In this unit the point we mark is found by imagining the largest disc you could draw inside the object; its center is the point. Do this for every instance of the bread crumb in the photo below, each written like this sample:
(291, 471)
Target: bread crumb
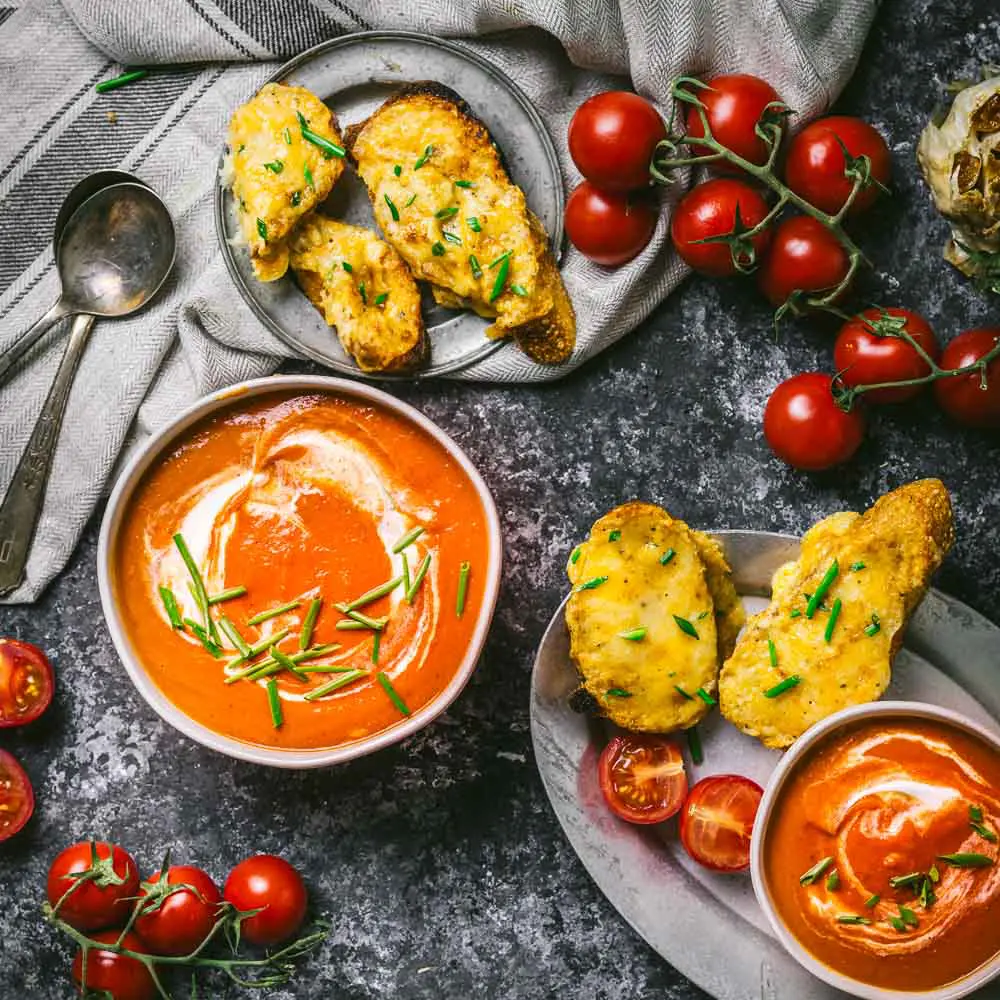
(112, 117)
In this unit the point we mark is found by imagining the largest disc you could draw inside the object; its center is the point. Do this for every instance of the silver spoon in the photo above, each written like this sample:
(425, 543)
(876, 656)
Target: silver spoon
(86, 188)
(114, 255)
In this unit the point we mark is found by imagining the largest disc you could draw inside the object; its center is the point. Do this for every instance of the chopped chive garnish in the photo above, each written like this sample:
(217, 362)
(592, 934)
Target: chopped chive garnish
(977, 824)
(875, 626)
(592, 584)
(170, 605)
(410, 200)
(451, 238)
(574, 558)
(233, 634)
(284, 661)
(274, 700)
(275, 166)
(706, 697)
(975, 814)
(772, 653)
(795, 613)
(694, 745)
(897, 924)
(406, 572)
(376, 643)
(342, 681)
(614, 536)
(262, 229)
(363, 293)
(872, 901)
(933, 874)
(504, 256)
(473, 223)
(308, 174)
(229, 594)
(617, 693)
(831, 623)
(349, 268)
(856, 566)
(255, 651)
(464, 184)
(407, 540)
(684, 693)
(392, 692)
(120, 81)
(908, 917)
(371, 595)
(821, 591)
(197, 587)
(519, 290)
(850, 918)
(477, 271)
(904, 881)
(437, 249)
(264, 668)
(393, 211)
(309, 623)
(446, 213)
(424, 157)
(324, 668)
(833, 881)
(463, 588)
(701, 616)
(425, 565)
(376, 624)
(380, 298)
(288, 136)
(349, 625)
(397, 169)
(635, 634)
(815, 873)
(263, 616)
(966, 859)
(667, 556)
(786, 685)
(926, 894)
(686, 627)
(328, 148)
(203, 637)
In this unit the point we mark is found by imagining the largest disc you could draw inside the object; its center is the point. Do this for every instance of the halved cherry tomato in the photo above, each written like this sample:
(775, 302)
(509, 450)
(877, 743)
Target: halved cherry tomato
(709, 209)
(864, 355)
(642, 777)
(805, 256)
(609, 227)
(26, 682)
(17, 800)
(806, 428)
(100, 902)
(718, 819)
(733, 106)
(815, 164)
(273, 886)
(109, 974)
(183, 918)
(963, 397)
(612, 137)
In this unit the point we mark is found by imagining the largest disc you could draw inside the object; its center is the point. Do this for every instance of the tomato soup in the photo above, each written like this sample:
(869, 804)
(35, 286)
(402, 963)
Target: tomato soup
(287, 511)
(882, 854)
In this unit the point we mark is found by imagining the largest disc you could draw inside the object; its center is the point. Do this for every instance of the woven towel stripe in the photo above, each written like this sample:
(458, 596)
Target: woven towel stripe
(219, 29)
(289, 30)
(5, 12)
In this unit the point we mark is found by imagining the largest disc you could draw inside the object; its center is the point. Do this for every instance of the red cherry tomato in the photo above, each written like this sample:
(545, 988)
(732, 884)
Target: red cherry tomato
(93, 906)
(26, 683)
(642, 777)
(272, 885)
(17, 800)
(806, 428)
(815, 164)
(733, 107)
(805, 256)
(612, 137)
(709, 209)
(109, 974)
(865, 356)
(718, 819)
(607, 227)
(184, 918)
(962, 397)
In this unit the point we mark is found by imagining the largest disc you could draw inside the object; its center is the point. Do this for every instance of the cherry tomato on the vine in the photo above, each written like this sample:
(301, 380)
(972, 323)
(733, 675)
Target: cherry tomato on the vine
(717, 821)
(866, 353)
(109, 974)
(17, 800)
(183, 919)
(815, 167)
(710, 209)
(93, 905)
(612, 137)
(609, 227)
(26, 682)
(805, 257)
(806, 428)
(963, 397)
(733, 106)
(642, 777)
(272, 885)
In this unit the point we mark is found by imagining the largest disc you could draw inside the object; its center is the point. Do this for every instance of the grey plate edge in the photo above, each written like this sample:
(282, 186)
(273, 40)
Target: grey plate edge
(490, 347)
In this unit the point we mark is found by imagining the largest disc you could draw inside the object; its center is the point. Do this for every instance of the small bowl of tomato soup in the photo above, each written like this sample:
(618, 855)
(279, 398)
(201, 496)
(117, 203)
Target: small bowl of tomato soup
(300, 570)
(875, 854)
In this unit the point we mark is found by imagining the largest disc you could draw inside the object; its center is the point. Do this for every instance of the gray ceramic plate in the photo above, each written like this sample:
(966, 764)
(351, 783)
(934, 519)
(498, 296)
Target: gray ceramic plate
(709, 926)
(354, 74)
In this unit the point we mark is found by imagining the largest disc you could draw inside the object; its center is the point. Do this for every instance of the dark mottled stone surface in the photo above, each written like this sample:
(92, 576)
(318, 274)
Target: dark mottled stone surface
(439, 862)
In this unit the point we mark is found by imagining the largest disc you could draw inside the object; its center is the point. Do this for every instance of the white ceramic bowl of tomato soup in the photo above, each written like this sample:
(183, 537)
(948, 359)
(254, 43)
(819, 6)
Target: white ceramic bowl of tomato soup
(298, 489)
(876, 792)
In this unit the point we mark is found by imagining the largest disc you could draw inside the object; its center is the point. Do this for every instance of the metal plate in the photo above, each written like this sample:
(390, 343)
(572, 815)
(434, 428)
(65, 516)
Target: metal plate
(354, 74)
(709, 926)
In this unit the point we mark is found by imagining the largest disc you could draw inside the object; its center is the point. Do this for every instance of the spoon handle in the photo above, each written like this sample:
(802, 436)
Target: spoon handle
(23, 502)
(30, 337)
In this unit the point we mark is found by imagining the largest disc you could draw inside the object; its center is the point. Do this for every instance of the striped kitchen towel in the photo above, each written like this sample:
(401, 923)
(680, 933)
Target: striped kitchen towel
(169, 128)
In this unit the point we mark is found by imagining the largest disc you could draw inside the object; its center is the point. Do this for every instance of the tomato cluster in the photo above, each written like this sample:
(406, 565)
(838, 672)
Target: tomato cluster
(94, 887)
(644, 781)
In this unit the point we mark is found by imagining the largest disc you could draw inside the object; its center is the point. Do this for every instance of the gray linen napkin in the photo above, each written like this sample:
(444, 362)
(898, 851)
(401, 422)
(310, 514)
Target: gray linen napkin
(199, 335)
